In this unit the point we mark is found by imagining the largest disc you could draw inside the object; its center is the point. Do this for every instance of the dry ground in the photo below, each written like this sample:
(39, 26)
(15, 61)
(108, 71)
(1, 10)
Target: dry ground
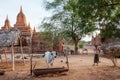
(80, 69)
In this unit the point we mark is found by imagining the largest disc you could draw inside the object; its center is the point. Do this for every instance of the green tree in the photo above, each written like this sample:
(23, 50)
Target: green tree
(70, 20)
(77, 18)
(108, 18)
(47, 36)
(50, 34)
(111, 21)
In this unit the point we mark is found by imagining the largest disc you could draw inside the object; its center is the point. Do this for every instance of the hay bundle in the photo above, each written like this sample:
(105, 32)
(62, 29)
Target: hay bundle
(113, 44)
(112, 50)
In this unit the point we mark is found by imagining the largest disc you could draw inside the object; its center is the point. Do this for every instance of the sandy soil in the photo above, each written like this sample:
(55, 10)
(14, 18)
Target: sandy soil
(81, 68)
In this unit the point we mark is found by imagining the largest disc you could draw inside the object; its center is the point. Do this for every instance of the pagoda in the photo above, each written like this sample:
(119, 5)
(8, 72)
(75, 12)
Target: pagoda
(7, 25)
(30, 38)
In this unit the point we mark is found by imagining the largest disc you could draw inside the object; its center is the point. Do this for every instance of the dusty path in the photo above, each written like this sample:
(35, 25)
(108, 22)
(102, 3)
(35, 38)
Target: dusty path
(80, 69)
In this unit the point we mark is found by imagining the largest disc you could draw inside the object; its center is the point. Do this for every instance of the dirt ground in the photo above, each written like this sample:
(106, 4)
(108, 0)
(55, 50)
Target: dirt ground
(81, 68)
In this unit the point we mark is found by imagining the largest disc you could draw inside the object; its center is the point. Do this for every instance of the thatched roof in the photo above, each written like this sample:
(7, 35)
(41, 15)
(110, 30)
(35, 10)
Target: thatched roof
(7, 37)
(115, 43)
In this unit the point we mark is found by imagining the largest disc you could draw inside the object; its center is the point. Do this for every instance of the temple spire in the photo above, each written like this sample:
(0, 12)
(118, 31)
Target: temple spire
(7, 17)
(7, 25)
(7, 22)
(34, 29)
(20, 8)
(21, 19)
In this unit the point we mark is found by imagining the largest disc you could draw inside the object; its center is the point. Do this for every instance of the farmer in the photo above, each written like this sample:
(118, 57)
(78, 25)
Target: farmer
(96, 56)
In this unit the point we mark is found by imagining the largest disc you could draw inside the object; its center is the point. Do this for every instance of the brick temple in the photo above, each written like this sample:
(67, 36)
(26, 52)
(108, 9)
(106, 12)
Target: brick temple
(37, 44)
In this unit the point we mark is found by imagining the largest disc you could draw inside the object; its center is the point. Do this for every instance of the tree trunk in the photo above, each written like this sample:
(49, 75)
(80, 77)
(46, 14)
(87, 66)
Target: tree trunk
(76, 47)
(114, 62)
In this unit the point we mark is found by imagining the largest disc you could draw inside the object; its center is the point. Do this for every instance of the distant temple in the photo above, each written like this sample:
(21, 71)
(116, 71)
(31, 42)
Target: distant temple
(96, 40)
(37, 44)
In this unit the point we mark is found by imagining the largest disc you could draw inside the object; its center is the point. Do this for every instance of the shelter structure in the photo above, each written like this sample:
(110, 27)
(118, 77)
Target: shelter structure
(9, 38)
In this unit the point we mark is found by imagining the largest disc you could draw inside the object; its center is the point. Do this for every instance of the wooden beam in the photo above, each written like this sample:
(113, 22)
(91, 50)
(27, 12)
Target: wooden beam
(13, 60)
(46, 71)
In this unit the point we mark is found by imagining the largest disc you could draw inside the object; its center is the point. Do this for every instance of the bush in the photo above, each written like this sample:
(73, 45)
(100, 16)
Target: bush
(80, 44)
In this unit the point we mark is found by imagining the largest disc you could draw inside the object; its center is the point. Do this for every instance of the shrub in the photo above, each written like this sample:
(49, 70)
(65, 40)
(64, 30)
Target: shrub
(80, 44)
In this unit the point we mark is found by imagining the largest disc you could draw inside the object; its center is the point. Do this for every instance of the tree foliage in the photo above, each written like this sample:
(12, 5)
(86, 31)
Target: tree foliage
(77, 18)
(69, 21)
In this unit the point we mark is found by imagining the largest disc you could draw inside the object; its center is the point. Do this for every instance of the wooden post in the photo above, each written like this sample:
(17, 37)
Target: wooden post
(5, 56)
(1, 54)
(31, 64)
(30, 50)
(67, 62)
(1, 58)
(22, 50)
(13, 60)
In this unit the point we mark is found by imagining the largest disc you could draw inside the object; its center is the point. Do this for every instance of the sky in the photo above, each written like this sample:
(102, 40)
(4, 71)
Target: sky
(33, 9)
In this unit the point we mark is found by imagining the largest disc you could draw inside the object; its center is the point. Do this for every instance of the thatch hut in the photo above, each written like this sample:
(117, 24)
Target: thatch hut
(114, 43)
(9, 38)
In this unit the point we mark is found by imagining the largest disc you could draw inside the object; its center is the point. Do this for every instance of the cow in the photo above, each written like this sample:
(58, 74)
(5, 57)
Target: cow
(49, 57)
(85, 51)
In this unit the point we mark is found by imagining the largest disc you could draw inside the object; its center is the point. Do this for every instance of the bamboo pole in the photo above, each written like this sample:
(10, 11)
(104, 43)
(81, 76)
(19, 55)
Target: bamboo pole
(6, 57)
(1, 55)
(1, 58)
(30, 50)
(31, 64)
(13, 60)
(22, 50)
(67, 62)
